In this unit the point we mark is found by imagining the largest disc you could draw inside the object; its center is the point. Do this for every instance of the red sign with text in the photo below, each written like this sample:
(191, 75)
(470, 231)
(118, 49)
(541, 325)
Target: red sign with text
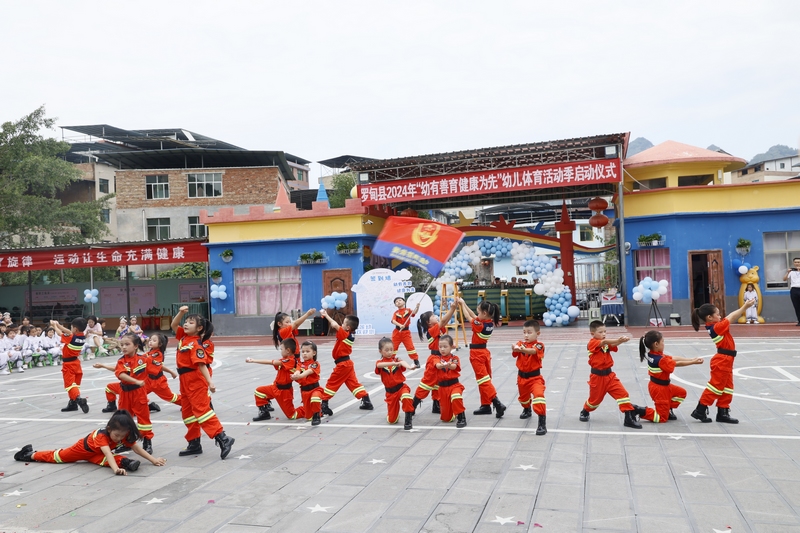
(493, 181)
(103, 256)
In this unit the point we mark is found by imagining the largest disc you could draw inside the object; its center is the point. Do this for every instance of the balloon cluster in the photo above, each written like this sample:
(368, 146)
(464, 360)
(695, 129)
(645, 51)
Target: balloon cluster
(740, 266)
(335, 300)
(524, 257)
(649, 289)
(90, 295)
(460, 265)
(498, 246)
(560, 312)
(219, 291)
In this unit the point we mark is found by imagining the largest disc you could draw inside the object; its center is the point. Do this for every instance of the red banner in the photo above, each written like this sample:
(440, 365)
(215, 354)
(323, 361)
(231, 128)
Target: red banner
(97, 255)
(493, 181)
(419, 242)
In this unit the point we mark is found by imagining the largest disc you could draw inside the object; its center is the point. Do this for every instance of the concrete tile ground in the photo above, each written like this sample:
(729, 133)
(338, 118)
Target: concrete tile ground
(355, 473)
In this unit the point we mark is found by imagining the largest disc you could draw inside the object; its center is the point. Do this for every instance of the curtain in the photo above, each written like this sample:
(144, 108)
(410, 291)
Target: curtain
(270, 300)
(246, 299)
(657, 257)
(244, 275)
(290, 274)
(291, 296)
(268, 275)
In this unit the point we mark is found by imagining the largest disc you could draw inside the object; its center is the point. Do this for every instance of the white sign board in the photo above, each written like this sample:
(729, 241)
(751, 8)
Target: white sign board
(376, 291)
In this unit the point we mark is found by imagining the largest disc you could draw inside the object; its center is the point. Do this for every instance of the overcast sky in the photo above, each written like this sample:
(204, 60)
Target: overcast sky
(390, 79)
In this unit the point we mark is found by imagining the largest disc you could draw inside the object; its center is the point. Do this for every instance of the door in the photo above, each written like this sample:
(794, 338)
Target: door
(707, 279)
(716, 281)
(339, 280)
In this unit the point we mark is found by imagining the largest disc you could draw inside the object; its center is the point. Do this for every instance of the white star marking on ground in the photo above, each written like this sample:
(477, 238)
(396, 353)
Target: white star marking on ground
(14, 450)
(764, 393)
(16, 493)
(154, 500)
(245, 457)
(500, 520)
(723, 530)
(693, 474)
(527, 467)
(378, 461)
(554, 391)
(675, 437)
(318, 509)
(559, 378)
(792, 414)
(413, 430)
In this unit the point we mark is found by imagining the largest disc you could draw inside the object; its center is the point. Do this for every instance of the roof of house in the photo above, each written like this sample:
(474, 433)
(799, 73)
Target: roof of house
(670, 152)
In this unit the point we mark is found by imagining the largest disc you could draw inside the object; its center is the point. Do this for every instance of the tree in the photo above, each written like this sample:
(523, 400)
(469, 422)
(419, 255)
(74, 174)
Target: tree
(342, 185)
(184, 271)
(31, 176)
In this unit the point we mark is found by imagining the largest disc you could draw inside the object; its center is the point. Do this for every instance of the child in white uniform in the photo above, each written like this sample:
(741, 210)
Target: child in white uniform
(751, 315)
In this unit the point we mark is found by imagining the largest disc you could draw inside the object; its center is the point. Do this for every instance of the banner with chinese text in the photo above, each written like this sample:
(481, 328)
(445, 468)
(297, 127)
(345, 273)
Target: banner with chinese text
(493, 181)
(150, 253)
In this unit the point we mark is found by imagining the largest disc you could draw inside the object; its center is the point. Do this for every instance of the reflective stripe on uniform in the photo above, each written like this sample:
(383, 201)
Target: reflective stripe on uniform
(144, 427)
(713, 389)
(71, 387)
(540, 400)
(358, 389)
(455, 396)
(623, 400)
(485, 379)
(677, 399)
(727, 391)
(206, 417)
(260, 395)
(425, 386)
(405, 396)
(329, 392)
(656, 418)
(190, 420)
(174, 398)
(56, 456)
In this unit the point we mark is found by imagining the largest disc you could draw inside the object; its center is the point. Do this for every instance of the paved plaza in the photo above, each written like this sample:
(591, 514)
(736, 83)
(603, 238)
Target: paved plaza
(356, 473)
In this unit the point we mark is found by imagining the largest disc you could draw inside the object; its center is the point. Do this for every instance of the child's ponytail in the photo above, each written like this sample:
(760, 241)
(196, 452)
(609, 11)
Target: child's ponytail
(700, 315)
(277, 326)
(641, 348)
(493, 310)
(423, 324)
(647, 341)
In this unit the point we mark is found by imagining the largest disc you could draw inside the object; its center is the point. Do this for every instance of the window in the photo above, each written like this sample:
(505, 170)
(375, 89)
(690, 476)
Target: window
(207, 185)
(103, 186)
(196, 229)
(646, 185)
(780, 248)
(265, 291)
(157, 229)
(689, 181)
(654, 263)
(586, 233)
(157, 187)
(783, 165)
(105, 216)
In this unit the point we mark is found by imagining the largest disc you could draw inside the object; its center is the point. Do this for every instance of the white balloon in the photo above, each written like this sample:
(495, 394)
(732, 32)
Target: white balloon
(663, 283)
(539, 289)
(742, 269)
(638, 296)
(662, 290)
(654, 295)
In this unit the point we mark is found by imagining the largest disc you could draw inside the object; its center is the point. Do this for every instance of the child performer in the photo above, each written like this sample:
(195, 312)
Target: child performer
(96, 448)
(433, 328)
(480, 358)
(195, 382)
(307, 376)
(450, 390)
(390, 369)
(285, 328)
(529, 355)
(665, 395)
(604, 381)
(720, 384)
(71, 370)
(156, 381)
(131, 370)
(281, 389)
(401, 319)
(752, 312)
(344, 370)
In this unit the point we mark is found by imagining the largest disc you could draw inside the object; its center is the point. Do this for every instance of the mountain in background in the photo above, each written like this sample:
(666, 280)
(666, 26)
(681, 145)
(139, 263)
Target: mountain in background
(639, 144)
(775, 152)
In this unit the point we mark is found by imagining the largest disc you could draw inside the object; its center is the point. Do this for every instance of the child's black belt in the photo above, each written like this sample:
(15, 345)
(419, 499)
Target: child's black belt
(128, 387)
(436, 352)
(723, 351)
(477, 346)
(310, 386)
(392, 390)
(342, 359)
(604, 372)
(185, 369)
(533, 374)
(659, 381)
(448, 382)
(284, 386)
(68, 359)
(156, 376)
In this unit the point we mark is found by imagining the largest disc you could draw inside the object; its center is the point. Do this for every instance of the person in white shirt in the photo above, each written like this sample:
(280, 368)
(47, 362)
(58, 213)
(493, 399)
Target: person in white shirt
(5, 346)
(793, 276)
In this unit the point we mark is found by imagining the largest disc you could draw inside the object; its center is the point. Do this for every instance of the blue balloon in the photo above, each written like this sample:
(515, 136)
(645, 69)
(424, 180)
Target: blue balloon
(94, 299)
(87, 298)
(87, 292)
(736, 263)
(547, 301)
(95, 292)
(340, 304)
(548, 323)
(647, 298)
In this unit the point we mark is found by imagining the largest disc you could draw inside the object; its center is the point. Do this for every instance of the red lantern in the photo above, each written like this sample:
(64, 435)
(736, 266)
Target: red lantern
(598, 221)
(408, 213)
(598, 204)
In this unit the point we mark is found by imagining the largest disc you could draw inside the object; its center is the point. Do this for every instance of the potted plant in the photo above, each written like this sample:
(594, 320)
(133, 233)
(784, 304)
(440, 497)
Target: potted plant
(342, 247)
(353, 245)
(227, 255)
(317, 257)
(215, 275)
(305, 258)
(743, 246)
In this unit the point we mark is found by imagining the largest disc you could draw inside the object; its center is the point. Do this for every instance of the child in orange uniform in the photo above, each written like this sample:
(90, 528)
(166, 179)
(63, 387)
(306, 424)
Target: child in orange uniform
(281, 389)
(344, 370)
(665, 395)
(529, 355)
(73, 340)
(720, 384)
(401, 335)
(390, 369)
(96, 448)
(604, 381)
(433, 328)
(307, 376)
(195, 379)
(480, 358)
(285, 328)
(451, 401)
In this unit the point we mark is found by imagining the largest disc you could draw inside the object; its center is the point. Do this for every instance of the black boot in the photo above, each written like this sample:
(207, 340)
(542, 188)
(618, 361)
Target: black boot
(724, 415)
(83, 404)
(584, 416)
(225, 444)
(121, 448)
(71, 406)
(672, 415)
(417, 402)
(499, 408)
(461, 420)
(416, 363)
(147, 445)
(701, 413)
(130, 465)
(192, 448)
(25, 454)
(526, 413)
(269, 406)
(483, 410)
(263, 414)
(542, 429)
(326, 410)
(366, 404)
(435, 409)
(408, 425)
(111, 407)
(315, 420)
(153, 406)
(631, 420)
